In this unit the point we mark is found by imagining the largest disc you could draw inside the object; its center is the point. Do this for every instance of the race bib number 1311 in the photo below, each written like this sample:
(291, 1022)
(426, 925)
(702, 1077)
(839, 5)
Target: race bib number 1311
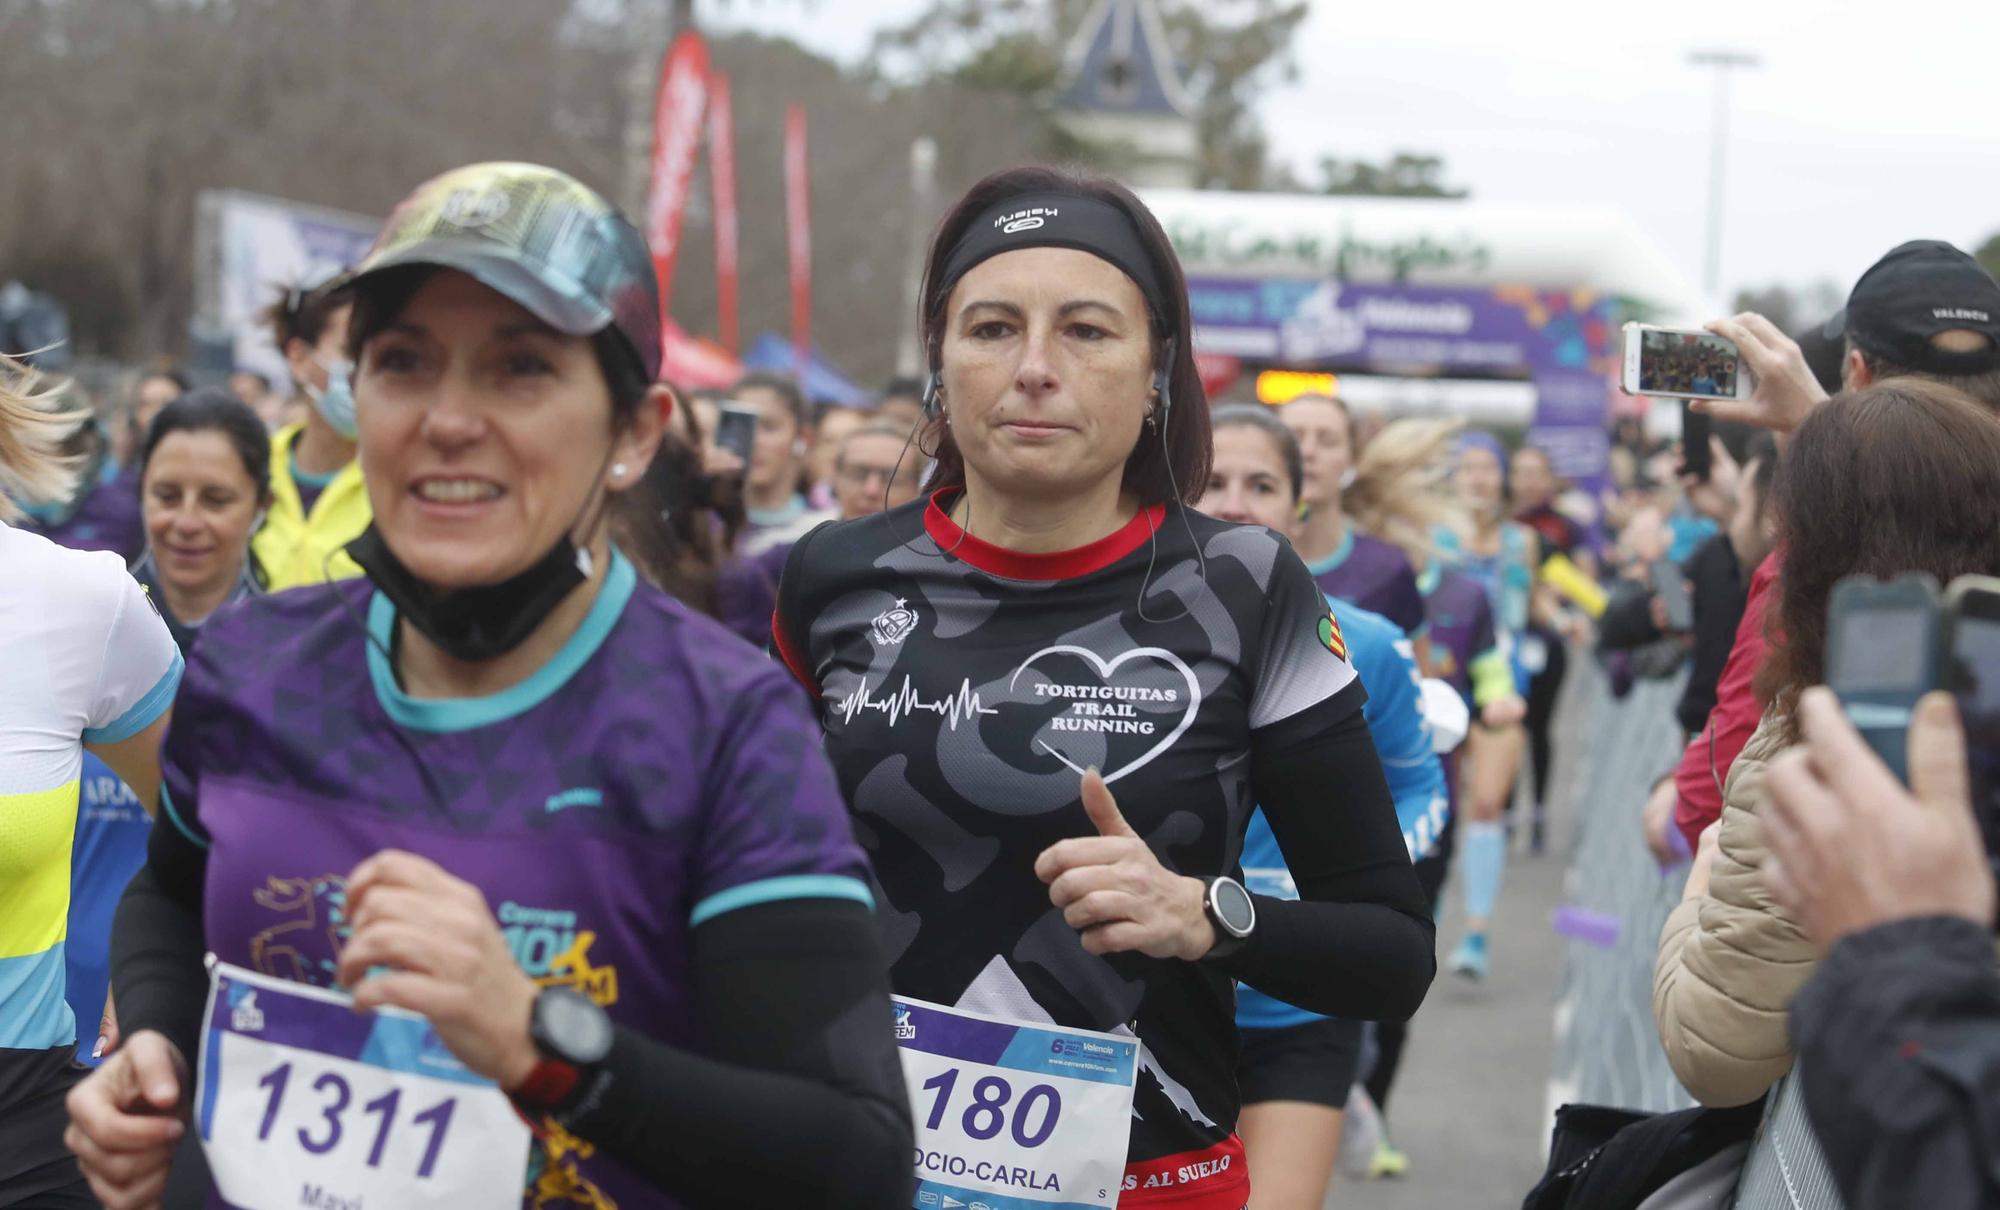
(1014, 1115)
(304, 1102)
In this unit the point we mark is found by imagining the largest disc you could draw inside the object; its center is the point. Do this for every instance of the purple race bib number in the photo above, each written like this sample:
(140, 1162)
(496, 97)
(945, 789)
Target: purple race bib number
(1013, 1115)
(301, 1101)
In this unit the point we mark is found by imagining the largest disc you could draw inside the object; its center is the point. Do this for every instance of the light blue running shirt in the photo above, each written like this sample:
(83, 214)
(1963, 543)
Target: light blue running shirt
(1388, 670)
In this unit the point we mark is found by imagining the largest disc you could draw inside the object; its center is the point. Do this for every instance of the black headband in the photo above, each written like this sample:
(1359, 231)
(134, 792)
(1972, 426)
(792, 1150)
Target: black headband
(1057, 220)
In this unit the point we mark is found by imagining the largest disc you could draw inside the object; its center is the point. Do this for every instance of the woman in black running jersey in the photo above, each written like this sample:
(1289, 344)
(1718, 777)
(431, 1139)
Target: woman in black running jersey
(1053, 694)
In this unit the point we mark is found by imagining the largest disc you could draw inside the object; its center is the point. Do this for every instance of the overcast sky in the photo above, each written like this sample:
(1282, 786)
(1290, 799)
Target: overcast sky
(1868, 123)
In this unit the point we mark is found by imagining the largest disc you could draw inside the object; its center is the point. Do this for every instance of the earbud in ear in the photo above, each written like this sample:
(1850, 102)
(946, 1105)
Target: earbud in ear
(1163, 380)
(932, 389)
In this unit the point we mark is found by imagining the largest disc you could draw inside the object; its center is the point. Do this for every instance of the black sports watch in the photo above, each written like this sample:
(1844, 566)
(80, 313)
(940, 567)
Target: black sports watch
(573, 1035)
(1233, 913)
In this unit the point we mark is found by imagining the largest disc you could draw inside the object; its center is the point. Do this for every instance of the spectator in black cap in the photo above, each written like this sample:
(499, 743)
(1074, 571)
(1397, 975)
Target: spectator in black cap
(1925, 309)
(1928, 310)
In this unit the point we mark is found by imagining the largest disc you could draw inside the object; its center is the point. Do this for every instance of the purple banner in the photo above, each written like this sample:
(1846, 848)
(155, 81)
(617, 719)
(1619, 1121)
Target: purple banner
(1389, 328)
(1578, 452)
(1563, 342)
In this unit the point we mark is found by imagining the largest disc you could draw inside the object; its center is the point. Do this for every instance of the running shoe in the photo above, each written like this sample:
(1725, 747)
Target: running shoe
(1388, 1163)
(1361, 1135)
(1469, 959)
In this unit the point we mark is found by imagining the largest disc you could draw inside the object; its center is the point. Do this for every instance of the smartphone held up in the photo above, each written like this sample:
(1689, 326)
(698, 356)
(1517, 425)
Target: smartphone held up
(1891, 642)
(1684, 363)
(1882, 655)
(736, 431)
(1971, 671)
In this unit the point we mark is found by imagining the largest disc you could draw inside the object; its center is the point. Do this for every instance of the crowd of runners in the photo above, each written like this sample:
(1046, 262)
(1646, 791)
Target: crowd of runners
(490, 786)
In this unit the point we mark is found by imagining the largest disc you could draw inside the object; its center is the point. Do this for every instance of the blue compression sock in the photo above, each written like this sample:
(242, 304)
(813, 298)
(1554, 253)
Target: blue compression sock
(1482, 858)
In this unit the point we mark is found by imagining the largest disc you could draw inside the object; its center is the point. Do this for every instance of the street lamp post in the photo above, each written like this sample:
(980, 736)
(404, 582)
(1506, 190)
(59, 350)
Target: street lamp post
(1723, 61)
(910, 359)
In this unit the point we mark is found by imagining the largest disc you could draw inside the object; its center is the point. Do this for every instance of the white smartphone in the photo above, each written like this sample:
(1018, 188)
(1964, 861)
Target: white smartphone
(1684, 363)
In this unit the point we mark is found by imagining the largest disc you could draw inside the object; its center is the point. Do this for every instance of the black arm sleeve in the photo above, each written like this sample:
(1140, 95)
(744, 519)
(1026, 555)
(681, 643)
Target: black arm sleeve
(1898, 1042)
(1359, 941)
(157, 977)
(801, 1101)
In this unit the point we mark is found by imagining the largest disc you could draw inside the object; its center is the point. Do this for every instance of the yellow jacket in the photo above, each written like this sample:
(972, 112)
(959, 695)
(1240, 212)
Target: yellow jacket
(293, 548)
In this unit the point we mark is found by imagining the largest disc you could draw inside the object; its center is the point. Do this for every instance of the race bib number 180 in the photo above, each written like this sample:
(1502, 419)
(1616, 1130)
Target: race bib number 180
(1014, 1116)
(302, 1101)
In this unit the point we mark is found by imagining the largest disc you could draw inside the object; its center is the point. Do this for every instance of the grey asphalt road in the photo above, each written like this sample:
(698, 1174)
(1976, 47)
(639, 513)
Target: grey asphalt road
(1487, 1062)
(1469, 1104)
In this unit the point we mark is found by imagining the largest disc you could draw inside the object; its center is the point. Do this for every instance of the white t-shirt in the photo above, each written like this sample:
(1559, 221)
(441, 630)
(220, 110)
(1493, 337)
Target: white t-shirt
(84, 659)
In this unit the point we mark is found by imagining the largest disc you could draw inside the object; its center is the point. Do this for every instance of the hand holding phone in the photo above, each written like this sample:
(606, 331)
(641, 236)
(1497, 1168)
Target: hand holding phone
(736, 430)
(1697, 459)
(1714, 496)
(1684, 362)
(1972, 674)
(1670, 587)
(1783, 390)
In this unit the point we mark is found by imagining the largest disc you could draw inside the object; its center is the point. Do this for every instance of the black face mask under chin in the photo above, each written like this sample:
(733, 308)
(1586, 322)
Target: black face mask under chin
(480, 623)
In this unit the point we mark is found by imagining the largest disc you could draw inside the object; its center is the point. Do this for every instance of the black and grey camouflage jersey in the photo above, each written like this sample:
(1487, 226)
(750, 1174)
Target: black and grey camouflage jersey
(965, 688)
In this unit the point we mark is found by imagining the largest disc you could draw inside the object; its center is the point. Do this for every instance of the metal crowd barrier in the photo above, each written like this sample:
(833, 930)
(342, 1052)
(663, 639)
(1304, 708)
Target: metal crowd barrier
(1615, 898)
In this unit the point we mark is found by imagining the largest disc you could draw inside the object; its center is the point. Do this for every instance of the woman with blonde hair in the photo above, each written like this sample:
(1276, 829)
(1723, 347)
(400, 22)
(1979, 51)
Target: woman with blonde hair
(89, 665)
(1401, 492)
(33, 468)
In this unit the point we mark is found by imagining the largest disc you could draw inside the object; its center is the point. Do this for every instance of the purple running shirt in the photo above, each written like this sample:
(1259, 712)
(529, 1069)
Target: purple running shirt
(654, 774)
(1461, 626)
(1376, 576)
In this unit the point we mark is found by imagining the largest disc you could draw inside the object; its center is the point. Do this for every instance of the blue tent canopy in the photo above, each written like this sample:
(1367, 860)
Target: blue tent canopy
(773, 354)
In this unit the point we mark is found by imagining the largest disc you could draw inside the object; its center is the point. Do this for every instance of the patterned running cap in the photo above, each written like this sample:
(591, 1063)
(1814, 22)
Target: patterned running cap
(538, 236)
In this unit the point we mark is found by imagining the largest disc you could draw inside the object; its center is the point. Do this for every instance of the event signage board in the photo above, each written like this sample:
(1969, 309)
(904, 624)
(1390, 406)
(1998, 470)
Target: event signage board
(1310, 322)
(1562, 341)
(250, 249)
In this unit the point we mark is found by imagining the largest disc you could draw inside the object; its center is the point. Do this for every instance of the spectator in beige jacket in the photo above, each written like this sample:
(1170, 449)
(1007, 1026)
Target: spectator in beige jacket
(1899, 477)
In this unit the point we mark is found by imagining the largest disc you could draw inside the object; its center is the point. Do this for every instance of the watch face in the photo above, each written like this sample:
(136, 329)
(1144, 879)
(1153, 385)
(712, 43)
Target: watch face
(575, 1027)
(1232, 904)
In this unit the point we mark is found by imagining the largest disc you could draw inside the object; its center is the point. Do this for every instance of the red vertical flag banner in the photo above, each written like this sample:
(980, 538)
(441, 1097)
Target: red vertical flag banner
(798, 214)
(722, 177)
(676, 140)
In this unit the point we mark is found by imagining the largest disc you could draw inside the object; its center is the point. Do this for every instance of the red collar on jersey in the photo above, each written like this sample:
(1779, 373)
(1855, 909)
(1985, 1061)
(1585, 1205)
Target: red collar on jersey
(1051, 565)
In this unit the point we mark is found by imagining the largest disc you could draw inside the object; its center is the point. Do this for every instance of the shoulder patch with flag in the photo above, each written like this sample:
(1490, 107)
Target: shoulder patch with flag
(1329, 634)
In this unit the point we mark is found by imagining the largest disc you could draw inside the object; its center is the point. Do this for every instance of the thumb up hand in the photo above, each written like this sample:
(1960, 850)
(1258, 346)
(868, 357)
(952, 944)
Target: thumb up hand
(1102, 808)
(1114, 891)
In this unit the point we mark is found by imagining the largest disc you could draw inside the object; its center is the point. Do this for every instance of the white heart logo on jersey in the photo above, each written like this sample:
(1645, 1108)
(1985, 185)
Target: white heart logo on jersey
(1189, 704)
